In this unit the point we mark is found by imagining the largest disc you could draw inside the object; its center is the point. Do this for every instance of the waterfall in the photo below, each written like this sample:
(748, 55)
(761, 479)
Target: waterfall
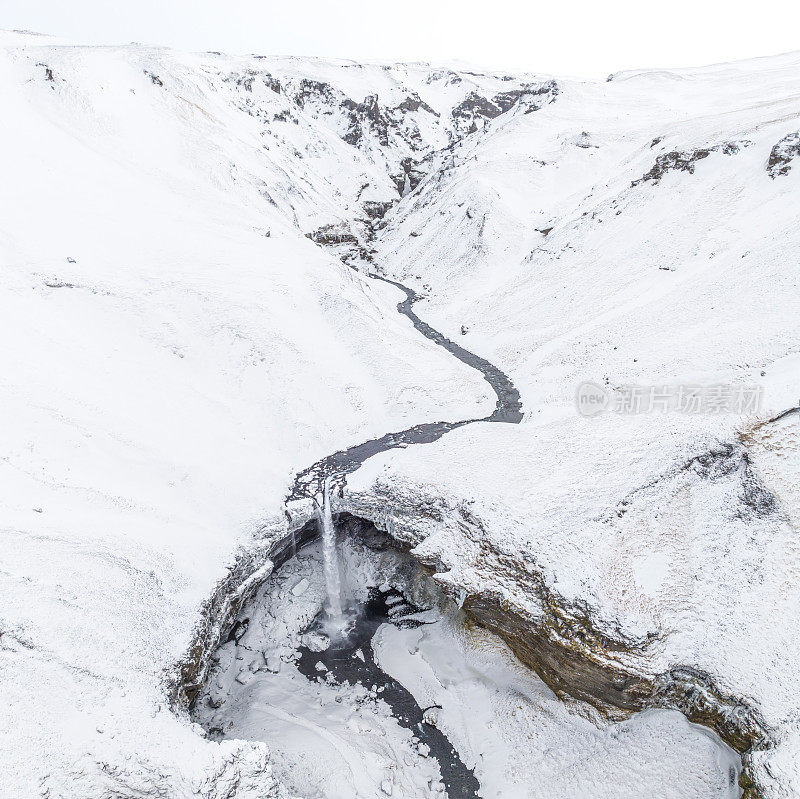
(330, 554)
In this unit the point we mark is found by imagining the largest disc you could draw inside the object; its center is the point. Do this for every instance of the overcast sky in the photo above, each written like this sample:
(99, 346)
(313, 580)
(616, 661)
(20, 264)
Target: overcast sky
(568, 38)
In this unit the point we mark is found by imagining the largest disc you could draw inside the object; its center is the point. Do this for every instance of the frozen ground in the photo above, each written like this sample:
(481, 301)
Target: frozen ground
(167, 369)
(545, 247)
(182, 338)
(338, 739)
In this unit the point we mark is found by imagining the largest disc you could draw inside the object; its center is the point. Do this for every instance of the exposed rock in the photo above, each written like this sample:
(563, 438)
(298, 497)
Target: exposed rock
(48, 72)
(413, 172)
(726, 461)
(526, 96)
(685, 161)
(584, 141)
(367, 114)
(575, 661)
(376, 209)
(734, 460)
(314, 89)
(248, 78)
(782, 154)
(474, 105)
(446, 75)
(562, 644)
(333, 234)
(693, 693)
(472, 113)
(414, 103)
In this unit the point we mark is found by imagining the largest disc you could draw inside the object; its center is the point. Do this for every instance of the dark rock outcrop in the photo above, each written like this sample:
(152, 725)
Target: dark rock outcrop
(48, 72)
(367, 115)
(447, 75)
(332, 234)
(247, 79)
(414, 103)
(308, 89)
(376, 209)
(685, 161)
(782, 154)
(412, 174)
(474, 105)
(472, 113)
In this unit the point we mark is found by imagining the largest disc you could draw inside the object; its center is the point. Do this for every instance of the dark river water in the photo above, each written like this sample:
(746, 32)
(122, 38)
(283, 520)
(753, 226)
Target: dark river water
(508, 408)
(341, 661)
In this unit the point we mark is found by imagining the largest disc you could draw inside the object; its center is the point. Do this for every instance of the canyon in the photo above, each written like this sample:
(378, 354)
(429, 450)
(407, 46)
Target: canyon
(230, 279)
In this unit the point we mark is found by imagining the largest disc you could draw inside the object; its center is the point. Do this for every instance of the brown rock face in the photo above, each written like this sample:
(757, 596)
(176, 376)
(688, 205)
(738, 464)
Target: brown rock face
(561, 645)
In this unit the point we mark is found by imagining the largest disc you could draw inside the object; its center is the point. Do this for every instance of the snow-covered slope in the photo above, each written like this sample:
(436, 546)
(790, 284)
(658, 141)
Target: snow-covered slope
(640, 232)
(175, 350)
(181, 338)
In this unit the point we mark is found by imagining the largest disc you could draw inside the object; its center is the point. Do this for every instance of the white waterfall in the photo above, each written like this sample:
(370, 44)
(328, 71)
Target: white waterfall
(333, 584)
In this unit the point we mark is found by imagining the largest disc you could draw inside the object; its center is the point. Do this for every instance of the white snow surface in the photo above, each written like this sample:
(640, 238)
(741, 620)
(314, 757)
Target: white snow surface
(332, 739)
(523, 742)
(327, 739)
(167, 368)
(176, 348)
(690, 280)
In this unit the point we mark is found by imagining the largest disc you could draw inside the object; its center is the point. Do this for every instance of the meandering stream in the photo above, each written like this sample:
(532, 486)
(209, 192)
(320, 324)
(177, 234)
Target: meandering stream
(352, 716)
(338, 659)
(508, 409)
(351, 660)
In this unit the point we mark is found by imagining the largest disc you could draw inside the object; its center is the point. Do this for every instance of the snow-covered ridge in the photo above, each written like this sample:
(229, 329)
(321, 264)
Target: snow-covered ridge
(181, 348)
(639, 232)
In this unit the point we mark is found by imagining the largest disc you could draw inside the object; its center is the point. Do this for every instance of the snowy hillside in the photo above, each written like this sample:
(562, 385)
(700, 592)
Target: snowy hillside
(186, 243)
(641, 232)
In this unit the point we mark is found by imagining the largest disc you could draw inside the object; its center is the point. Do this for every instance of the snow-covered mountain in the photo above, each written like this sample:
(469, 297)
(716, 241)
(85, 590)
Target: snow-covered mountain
(185, 242)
